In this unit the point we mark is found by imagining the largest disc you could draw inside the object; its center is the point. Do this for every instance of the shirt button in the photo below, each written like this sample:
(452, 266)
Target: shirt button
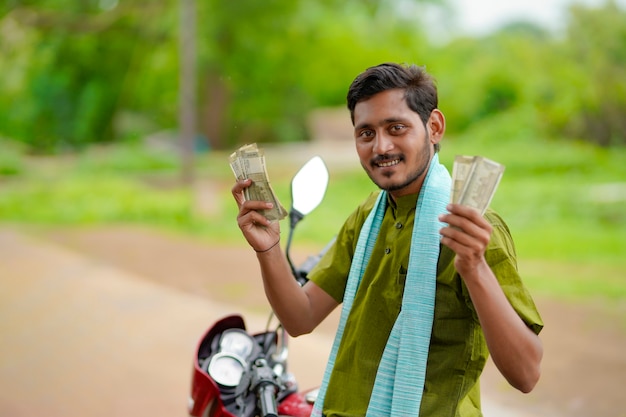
(387, 251)
(398, 225)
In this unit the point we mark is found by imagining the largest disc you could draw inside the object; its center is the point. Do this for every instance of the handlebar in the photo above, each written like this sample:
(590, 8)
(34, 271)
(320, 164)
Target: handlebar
(265, 385)
(267, 400)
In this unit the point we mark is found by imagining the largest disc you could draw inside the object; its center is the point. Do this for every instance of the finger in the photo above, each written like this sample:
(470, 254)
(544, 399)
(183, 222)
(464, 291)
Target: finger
(255, 205)
(466, 218)
(460, 226)
(457, 240)
(455, 246)
(249, 213)
(465, 211)
(463, 235)
(238, 188)
(259, 232)
(252, 220)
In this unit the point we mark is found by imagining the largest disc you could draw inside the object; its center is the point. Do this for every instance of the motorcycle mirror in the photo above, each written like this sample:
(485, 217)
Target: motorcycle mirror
(309, 186)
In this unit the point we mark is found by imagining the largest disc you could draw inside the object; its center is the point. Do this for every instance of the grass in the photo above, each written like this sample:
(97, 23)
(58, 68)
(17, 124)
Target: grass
(565, 202)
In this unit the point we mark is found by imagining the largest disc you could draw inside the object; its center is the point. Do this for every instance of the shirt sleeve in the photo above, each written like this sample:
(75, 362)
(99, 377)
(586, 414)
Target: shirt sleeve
(502, 259)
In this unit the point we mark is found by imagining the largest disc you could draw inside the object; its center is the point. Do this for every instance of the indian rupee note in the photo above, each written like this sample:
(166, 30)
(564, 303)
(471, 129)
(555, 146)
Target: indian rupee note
(236, 166)
(481, 184)
(460, 171)
(249, 162)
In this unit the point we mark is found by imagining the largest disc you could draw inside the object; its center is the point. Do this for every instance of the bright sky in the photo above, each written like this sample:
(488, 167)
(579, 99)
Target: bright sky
(481, 16)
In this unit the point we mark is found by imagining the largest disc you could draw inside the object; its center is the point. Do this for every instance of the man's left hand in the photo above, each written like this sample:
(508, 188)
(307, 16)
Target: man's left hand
(467, 234)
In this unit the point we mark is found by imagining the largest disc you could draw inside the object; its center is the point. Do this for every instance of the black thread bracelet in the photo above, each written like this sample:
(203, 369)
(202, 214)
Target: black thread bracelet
(268, 249)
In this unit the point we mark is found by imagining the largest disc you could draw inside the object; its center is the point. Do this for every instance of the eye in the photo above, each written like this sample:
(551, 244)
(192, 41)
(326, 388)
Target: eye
(365, 134)
(397, 128)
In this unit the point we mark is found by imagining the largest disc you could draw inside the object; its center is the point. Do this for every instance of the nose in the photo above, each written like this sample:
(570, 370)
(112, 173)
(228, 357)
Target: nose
(383, 144)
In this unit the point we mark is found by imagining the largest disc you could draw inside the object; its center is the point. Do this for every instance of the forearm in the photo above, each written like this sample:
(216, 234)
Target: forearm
(299, 309)
(287, 298)
(515, 349)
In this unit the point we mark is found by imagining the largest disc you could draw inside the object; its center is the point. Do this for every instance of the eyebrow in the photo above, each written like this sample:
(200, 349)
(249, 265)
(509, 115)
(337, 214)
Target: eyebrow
(382, 123)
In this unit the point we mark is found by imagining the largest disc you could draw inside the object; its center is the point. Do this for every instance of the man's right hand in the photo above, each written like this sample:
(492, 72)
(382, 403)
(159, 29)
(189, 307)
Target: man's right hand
(260, 233)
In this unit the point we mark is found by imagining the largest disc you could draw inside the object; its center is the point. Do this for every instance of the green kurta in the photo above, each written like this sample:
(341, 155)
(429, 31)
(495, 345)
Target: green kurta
(458, 350)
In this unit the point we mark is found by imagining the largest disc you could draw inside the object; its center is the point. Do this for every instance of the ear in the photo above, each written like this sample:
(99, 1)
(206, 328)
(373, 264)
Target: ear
(436, 126)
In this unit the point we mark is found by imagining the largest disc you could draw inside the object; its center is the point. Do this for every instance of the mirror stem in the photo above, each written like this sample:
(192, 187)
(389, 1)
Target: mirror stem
(294, 218)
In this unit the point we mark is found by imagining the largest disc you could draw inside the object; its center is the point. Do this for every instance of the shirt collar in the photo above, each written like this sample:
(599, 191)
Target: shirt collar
(402, 206)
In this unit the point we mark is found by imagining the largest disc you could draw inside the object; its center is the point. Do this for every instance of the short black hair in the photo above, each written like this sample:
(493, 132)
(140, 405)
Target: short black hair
(419, 86)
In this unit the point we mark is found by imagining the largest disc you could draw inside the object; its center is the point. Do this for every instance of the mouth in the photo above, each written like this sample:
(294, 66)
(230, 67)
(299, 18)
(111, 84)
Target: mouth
(386, 162)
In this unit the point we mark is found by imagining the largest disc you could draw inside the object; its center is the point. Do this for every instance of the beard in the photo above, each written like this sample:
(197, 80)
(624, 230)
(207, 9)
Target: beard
(423, 159)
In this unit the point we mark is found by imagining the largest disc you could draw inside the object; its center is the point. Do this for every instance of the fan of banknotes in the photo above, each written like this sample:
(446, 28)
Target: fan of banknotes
(249, 162)
(474, 181)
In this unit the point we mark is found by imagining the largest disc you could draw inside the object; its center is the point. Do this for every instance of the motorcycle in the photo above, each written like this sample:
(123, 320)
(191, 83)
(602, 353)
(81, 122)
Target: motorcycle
(239, 374)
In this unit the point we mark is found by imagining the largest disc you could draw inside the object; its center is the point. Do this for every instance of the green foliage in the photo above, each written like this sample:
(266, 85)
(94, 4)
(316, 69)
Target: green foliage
(95, 200)
(586, 99)
(71, 74)
(576, 82)
(130, 158)
(564, 202)
(10, 159)
(103, 71)
(575, 279)
(274, 61)
(79, 71)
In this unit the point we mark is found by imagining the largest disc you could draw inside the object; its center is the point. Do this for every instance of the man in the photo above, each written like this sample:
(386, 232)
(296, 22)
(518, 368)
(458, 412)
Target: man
(420, 346)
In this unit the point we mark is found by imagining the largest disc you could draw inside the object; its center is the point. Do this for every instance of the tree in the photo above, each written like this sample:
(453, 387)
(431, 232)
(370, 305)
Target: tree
(587, 99)
(75, 69)
(269, 63)
(101, 70)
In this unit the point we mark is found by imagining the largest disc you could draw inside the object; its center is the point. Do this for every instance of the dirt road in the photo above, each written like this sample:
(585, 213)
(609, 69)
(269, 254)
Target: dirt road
(103, 322)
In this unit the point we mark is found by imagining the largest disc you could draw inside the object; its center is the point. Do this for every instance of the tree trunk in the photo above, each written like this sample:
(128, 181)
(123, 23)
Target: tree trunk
(187, 110)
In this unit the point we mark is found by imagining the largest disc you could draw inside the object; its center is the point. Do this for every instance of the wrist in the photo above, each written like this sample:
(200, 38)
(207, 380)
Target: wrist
(268, 249)
(479, 277)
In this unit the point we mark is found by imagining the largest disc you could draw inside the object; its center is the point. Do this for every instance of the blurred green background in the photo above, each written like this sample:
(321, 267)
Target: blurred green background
(90, 116)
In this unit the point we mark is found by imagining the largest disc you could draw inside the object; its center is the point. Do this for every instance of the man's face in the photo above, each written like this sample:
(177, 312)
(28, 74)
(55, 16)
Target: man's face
(393, 144)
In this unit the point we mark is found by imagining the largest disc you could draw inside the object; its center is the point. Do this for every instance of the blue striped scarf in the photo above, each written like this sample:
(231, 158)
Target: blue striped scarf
(401, 373)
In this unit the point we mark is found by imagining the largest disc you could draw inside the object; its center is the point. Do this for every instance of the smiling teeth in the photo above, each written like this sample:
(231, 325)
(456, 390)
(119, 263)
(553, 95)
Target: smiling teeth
(388, 164)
